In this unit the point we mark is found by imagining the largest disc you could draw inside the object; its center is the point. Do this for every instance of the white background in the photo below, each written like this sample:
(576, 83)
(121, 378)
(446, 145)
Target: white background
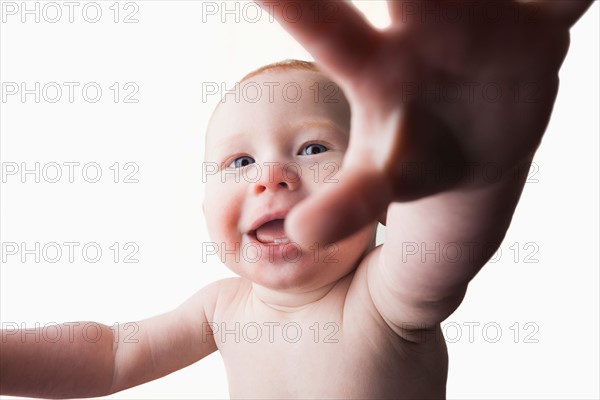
(168, 54)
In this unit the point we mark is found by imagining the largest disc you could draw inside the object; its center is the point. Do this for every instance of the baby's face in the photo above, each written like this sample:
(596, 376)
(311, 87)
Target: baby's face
(265, 155)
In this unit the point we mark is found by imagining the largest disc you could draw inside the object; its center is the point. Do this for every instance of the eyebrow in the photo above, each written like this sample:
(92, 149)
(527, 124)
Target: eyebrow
(302, 125)
(235, 137)
(318, 123)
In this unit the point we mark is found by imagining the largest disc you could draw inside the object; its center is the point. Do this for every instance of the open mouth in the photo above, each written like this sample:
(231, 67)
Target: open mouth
(271, 233)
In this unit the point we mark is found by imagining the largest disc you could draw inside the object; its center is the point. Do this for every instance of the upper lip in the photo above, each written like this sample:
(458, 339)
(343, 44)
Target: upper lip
(266, 217)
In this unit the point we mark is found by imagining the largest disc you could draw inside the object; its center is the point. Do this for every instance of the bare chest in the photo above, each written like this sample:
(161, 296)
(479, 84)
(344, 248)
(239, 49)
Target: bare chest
(320, 357)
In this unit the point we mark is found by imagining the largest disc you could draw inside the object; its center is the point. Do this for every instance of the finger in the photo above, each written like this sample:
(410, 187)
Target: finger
(356, 200)
(383, 217)
(403, 11)
(564, 12)
(397, 9)
(334, 32)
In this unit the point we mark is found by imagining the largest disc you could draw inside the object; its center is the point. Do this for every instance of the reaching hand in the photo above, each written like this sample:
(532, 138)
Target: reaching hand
(449, 86)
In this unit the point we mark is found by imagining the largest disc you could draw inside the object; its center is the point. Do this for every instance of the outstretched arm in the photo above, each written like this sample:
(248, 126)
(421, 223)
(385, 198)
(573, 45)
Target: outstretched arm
(447, 94)
(91, 360)
(435, 246)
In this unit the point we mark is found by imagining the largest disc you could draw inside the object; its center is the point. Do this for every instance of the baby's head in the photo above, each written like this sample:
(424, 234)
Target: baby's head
(280, 139)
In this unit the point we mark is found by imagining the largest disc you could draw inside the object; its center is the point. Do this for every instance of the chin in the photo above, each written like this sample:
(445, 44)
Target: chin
(286, 267)
(300, 273)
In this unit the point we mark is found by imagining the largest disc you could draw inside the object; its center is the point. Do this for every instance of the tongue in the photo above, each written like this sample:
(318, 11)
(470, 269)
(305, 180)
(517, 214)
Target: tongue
(271, 231)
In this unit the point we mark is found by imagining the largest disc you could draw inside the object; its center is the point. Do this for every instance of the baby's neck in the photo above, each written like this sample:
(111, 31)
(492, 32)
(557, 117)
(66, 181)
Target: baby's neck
(290, 301)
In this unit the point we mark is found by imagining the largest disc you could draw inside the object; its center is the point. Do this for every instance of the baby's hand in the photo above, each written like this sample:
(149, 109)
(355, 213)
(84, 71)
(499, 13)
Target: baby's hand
(450, 86)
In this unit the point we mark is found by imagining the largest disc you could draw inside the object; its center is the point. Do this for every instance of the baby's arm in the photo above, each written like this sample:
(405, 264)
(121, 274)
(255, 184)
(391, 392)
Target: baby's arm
(94, 363)
(435, 246)
(408, 126)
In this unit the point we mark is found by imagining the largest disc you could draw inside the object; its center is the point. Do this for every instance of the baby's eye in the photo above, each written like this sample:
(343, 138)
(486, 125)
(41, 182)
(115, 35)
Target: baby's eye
(313, 149)
(241, 162)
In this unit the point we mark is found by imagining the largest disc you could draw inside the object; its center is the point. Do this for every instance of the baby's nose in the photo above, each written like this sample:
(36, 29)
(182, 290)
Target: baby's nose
(277, 176)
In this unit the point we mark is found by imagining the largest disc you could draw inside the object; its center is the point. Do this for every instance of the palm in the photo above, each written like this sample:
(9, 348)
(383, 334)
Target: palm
(445, 94)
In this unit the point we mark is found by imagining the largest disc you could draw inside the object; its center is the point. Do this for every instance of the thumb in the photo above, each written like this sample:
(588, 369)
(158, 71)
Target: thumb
(356, 200)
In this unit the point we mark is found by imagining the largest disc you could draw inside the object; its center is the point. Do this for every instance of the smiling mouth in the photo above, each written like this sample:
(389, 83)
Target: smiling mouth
(271, 233)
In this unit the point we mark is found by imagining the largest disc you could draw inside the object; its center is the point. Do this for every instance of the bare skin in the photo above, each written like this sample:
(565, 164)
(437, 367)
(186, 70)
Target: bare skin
(383, 311)
(337, 347)
(307, 326)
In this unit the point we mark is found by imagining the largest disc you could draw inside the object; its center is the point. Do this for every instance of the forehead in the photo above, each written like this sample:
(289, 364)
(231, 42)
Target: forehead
(275, 99)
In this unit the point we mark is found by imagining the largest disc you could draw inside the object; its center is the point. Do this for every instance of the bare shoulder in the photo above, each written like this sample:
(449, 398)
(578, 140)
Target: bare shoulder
(170, 341)
(216, 296)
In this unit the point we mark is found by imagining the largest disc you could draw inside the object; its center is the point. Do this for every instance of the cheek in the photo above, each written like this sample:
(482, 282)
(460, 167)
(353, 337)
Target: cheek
(323, 172)
(223, 206)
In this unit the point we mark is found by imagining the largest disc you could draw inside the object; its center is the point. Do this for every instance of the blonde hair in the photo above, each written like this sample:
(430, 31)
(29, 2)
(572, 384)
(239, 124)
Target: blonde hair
(283, 65)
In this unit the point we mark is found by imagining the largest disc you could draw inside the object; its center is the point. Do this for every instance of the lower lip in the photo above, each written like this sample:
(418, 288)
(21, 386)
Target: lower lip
(272, 252)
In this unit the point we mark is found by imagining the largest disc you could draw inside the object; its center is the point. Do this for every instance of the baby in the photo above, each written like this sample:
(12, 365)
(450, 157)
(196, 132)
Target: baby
(314, 319)
(314, 322)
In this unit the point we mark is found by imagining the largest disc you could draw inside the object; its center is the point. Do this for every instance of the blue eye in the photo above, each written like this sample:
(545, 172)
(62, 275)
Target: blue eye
(241, 162)
(313, 149)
